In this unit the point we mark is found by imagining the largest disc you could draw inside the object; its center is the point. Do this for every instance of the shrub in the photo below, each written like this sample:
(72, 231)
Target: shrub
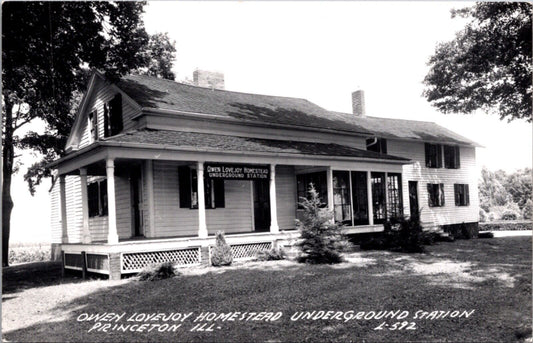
(509, 215)
(221, 253)
(158, 272)
(483, 216)
(400, 234)
(321, 239)
(527, 211)
(274, 254)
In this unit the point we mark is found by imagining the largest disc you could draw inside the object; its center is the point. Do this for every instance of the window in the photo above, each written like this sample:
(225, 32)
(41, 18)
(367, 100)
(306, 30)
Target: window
(435, 194)
(303, 181)
(394, 190)
(97, 196)
(113, 116)
(462, 196)
(341, 197)
(93, 125)
(359, 198)
(451, 157)
(433, 155)
(378, 197)
(377, 145)
(188, 190)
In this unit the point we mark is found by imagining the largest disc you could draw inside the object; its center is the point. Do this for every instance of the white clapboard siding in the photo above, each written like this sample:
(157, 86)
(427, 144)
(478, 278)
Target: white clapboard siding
(74, 211)
(170, 219)
(101, 94)
(466, 174)
(237, 215)
(286, 197)
(55, 213)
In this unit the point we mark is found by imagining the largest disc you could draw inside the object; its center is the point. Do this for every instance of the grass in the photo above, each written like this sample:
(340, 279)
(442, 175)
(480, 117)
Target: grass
(490, 276)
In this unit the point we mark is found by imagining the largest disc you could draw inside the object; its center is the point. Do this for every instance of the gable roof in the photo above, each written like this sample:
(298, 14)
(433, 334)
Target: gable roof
(158, 94)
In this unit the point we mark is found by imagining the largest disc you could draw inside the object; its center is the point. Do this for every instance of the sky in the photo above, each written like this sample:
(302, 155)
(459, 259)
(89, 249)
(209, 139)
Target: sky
(320, 51)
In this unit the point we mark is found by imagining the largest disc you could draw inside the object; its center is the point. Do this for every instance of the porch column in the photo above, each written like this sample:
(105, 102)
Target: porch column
(63, 205)
(329, 180)
(149, 174)
(369, 198)
(85, 233)
(274, 228)
(386, 197)
(202, 228)
(112, 235)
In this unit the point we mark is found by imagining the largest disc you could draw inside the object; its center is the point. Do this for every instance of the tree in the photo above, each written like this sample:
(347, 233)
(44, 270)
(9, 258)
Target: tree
(47, 48)
(160, 54)
(488, 64)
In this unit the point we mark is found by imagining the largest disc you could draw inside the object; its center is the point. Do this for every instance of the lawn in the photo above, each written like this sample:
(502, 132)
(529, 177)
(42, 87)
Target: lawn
(489, 279)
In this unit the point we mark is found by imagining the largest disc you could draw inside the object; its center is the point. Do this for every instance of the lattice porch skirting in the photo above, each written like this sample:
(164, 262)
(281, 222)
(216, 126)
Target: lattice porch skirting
(135, 262)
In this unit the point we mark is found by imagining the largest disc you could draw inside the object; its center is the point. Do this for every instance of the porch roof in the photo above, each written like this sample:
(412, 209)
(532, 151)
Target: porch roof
(219, 143)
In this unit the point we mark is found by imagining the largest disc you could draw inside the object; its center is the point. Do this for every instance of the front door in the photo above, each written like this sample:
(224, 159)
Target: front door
(261, 205)
(136, 202)
(413, 198)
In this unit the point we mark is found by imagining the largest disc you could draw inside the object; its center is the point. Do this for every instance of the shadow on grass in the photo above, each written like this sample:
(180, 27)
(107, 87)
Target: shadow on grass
(287, 287)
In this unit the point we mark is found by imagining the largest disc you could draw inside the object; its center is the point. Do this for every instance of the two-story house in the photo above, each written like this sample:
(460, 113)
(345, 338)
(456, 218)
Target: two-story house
(154, 168)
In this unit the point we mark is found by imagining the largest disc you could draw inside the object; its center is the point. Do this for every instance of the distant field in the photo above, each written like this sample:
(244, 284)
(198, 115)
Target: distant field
(22, 252)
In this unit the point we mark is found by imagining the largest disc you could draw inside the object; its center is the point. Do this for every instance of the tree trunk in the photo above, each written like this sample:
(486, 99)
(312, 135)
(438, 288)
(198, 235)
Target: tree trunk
(7, 170)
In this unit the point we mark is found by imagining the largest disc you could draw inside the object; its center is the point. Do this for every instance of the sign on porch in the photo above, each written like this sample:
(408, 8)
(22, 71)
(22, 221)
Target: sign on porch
(236, 171)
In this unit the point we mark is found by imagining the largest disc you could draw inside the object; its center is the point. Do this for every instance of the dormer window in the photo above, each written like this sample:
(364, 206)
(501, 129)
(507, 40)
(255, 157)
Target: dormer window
(377, 145)
(113, 116)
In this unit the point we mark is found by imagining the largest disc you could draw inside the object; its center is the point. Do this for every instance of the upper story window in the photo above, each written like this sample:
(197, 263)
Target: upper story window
(462, 196)
(377, 145)
(188, 188)
(433, 155)
(97, 198)
(303, 181)
(113, 116)
(435, 194)
(451, 157)
(92, 122)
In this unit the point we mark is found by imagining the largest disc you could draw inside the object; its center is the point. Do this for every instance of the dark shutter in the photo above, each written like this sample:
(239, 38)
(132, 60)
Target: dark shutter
(220, 200)
(116, 114)
(92, 197)
(428, 156)
(457, 158)
(95, 125)
(439, 155)
(456, 191)
(103, 197)
(106, 121)
(430, 195)
(184, 179)
(467, 196)
(383, 143)
(441, 194)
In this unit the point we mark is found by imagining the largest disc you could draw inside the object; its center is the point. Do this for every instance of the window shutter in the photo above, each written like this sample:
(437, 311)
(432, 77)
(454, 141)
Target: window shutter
(439, 155)
(92, 199)
(95, 125)
(106, 121)
(467, 195)
(383, 146)
(457, 195)
(441, 194)
(184, 179)
(116, 114)
(103, 198)
(430, 194)
(457, 158)
(428, 158)
(220, 200)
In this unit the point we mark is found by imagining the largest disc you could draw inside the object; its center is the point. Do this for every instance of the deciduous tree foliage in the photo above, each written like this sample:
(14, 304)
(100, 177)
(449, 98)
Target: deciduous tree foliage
(47, 50)
(488, 64)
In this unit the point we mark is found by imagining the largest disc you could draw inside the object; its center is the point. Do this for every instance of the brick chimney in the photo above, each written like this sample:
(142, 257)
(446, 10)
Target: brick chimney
(358, 103)
(208, 79)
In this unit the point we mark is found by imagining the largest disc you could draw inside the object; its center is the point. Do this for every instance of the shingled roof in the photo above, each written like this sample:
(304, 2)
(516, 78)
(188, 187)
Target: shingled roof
(154, 93)
(224, 143)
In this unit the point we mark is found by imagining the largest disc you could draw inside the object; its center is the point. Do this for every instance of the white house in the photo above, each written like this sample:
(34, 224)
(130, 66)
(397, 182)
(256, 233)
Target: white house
(154, 168)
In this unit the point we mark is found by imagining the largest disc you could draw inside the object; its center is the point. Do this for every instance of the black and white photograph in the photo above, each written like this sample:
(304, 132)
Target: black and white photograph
(255, 171)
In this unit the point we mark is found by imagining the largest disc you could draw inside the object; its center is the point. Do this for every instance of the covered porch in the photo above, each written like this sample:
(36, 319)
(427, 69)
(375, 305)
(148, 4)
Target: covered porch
(142, 203)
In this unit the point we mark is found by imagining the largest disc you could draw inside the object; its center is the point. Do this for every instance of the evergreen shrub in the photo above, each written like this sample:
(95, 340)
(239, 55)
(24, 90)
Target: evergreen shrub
(221, 252)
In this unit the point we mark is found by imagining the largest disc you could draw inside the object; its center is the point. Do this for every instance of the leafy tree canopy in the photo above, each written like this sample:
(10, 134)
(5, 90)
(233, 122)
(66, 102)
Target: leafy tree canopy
(488, 64)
